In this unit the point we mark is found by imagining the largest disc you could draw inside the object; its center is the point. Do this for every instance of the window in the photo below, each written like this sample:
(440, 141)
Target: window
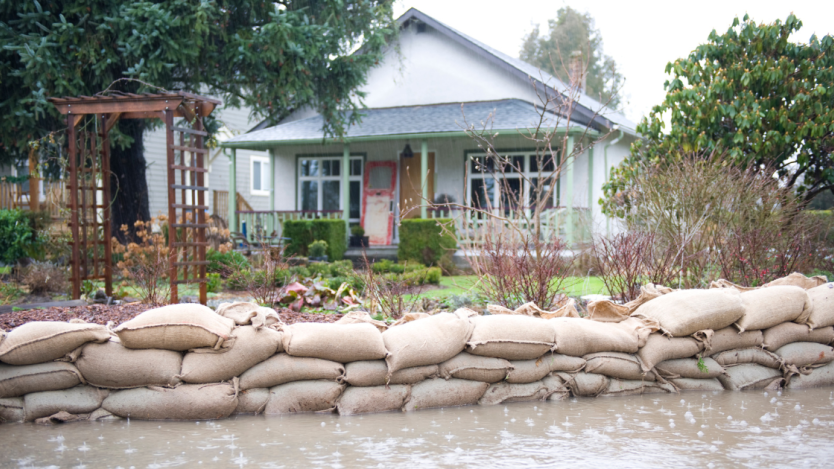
(489, 187)
(259, 175)
(320, 184)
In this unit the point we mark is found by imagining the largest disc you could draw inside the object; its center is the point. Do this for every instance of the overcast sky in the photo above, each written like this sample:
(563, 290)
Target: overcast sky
(642, 36)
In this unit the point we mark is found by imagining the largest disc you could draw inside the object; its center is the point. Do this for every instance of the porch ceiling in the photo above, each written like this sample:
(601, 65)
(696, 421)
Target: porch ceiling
(431, 121)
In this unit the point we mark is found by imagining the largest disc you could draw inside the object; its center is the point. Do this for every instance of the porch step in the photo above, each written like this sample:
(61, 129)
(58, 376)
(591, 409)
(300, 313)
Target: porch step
(373, 253)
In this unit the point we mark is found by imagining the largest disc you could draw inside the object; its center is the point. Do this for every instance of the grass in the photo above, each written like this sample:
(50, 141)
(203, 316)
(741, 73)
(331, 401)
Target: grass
(458, 285)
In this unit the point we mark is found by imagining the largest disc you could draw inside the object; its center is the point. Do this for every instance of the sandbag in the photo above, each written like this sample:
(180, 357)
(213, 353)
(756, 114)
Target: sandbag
(617, 365)
(798, 280)
(252, 401)
(822, 298)
(444, 393)
(77, 400)
(476, 368)
(177, 327)
(505, 392)
(249, 314)
(341, 343)
(580, 337)
(19, 380)
(660, 348)
(648, 292)
(748, 355)
(789, 332)
(564, 308)
(304, 396)
(372, 399)
(408, 317)
(428, 341)
(688, 368)
(282, 368)
(686, 312)
(251, 346)
(607, 311)
(818, 377)
(689, 384)
(529, 371)
(110, 365)
(631, 387)
(185, 402)
(724, 283)
(11, 409)
(730, 338)
(360, 317)
(584, 384)
(375, 373)
(511, 337)
(749, 376)
(44, 341)
(559, 362)
(801, 354)
(768, 307)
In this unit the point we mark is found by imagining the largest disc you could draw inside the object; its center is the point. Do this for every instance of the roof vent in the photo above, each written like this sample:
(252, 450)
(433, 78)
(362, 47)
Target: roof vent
(421, 27)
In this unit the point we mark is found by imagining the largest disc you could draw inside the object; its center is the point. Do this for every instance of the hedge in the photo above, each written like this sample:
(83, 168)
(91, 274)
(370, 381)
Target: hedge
(304, 232)
(423, 241)
(826, 220)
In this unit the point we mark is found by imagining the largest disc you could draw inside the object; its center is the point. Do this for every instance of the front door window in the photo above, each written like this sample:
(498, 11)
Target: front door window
(320, 185)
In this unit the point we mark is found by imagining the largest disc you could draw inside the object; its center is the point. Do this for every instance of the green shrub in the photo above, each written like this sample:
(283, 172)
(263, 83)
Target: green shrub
(303, 232)
(319, 268)
(18, 239)
(225, 263)
(341, 268)
(238, 280)
(357, 230)
(213, 282)
(354, 281)
(423, 276)
(423, 241)
(382, 266)
(317, 249)
(825, 220)
(300, 271)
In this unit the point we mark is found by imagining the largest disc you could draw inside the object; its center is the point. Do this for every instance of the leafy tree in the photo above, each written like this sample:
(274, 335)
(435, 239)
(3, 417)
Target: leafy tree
(272, 56)
(571, 32)
(766, 101)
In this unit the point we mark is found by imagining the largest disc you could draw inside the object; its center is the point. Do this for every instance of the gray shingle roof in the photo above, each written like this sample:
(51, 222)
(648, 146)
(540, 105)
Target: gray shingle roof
(509, 114)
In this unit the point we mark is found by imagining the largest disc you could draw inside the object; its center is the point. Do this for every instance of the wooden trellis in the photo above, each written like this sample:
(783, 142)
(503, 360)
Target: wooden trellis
(89, 121)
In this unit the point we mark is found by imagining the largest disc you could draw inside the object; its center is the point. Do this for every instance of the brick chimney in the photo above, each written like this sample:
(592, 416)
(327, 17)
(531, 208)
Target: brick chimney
(577, 70)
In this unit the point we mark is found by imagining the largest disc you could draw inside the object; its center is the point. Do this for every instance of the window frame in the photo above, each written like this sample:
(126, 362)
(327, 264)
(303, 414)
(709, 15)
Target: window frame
(264, 174)
(320, 179)
(497, 176)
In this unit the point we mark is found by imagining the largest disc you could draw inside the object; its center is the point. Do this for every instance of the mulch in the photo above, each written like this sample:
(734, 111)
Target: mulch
(102, 314)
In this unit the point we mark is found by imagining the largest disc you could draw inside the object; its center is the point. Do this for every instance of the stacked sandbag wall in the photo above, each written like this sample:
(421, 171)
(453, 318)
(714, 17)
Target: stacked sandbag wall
(189, 362)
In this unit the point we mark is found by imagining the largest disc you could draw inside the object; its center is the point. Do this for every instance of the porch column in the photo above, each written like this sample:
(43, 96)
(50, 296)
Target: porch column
(569, 191)
(271, 217)
(590, 180)
(424, 169)
(346, 187)
(233, 191)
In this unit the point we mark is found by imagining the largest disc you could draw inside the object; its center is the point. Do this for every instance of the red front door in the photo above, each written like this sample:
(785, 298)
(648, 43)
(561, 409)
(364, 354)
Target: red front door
(378, 201)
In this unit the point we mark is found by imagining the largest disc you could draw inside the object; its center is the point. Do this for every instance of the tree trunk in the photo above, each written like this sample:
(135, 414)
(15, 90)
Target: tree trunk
(128, 184)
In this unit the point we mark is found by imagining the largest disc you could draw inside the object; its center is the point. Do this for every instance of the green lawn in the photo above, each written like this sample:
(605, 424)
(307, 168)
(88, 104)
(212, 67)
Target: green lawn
(575, 286)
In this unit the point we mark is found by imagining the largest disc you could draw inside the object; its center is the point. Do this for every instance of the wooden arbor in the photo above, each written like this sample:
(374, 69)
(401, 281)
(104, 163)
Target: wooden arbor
(89, 121)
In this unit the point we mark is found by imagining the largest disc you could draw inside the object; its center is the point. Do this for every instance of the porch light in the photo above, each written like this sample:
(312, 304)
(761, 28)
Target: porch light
(407, 152)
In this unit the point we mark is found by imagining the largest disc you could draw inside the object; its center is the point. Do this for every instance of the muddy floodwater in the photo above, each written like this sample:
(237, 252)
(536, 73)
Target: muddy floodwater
(728, 429)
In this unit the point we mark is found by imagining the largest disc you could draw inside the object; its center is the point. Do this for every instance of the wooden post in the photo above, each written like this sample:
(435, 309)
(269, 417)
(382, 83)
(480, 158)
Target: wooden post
(172, 199)
(34, 182)
(76, 264)
(233, 191)
(201, 213)
(105, 202)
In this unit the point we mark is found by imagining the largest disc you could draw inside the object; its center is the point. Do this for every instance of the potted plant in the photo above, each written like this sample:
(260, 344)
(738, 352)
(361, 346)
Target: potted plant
(358, 238)
(317, 251)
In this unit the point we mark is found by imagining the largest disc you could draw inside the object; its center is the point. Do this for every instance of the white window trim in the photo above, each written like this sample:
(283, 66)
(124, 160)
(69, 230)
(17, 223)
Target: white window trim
(321, 179)
(263, 160)
(473, 175)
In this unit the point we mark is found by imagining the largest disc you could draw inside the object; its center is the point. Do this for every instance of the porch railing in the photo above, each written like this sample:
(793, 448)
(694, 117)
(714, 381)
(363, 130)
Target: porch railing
(264, 223)
(220, 204)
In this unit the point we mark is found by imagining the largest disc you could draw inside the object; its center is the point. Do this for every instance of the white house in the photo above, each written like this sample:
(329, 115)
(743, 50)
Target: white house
(415, 98)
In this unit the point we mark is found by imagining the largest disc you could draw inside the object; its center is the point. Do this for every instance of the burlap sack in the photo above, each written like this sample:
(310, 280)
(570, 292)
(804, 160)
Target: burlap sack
(584, 384)
(373, 399)
(110, 365)
(249, 314)
(77, 400)
(11, 410)
(102, 414)
(728, 338)
(748, 355)
(19, 380)
(429, 341)
(44, 341)
(252, 401)
(580, 337)
(801, 354)
(559, 362)
(304, 396)
(818, 377)
(510, 337)
(565, 308)
(688, 368)
(705, 385)
(798, 280)
(444, 393)
(648, 292)
(251, 346)
(185, 402)
(529, 371)
(499, 393)
(822, 298)
(408, 317)
(724, 283)
(617, 365)
(177, 327)
(360, 317)
(660, 348)
(375, 373)
(749, 376)
(282, 368)
(607, 311)
(789, 332)
(685, 312)
(341, 343)
(768, 307)
(475, 368)
(557, 388)
(631, 387)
